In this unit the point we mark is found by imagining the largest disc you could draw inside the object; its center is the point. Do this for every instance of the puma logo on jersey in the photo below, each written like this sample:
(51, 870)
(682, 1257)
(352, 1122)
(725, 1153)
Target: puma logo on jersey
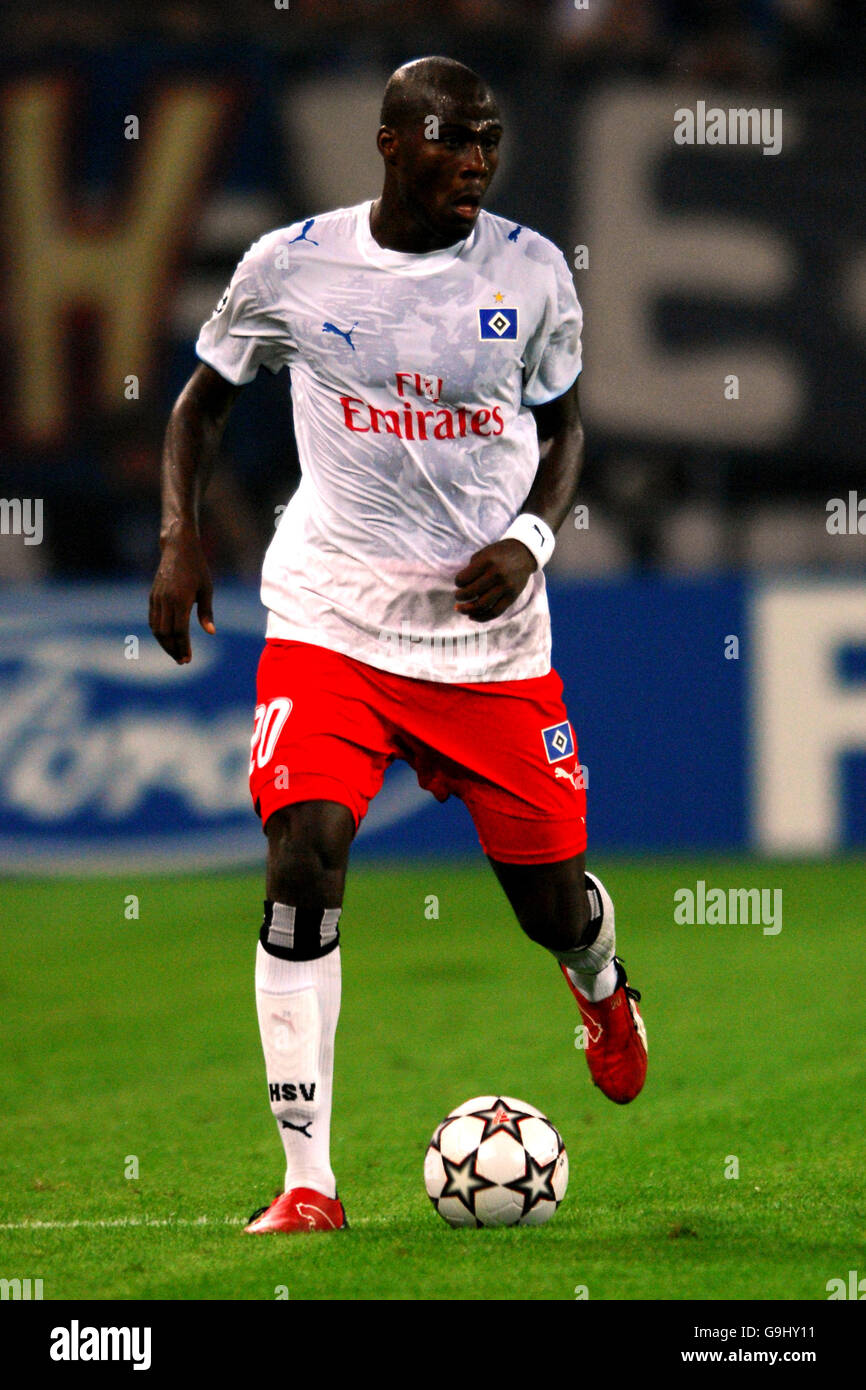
(575, 777)
(513, 235)
(303, 234)
(332, 328)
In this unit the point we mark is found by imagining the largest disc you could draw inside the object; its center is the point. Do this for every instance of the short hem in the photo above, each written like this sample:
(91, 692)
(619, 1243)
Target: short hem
(306, 786)
(536, 857)
(506, 851)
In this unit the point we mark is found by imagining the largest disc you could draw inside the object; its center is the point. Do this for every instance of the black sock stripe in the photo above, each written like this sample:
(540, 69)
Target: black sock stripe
(307, 935)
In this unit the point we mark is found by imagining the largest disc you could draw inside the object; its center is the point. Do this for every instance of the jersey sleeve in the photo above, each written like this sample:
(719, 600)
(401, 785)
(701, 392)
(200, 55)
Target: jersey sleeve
(552, 360)
(247, 330)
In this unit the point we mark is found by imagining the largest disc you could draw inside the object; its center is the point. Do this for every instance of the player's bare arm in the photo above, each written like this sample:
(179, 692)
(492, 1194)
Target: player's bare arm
(192, 439)
(497, 574)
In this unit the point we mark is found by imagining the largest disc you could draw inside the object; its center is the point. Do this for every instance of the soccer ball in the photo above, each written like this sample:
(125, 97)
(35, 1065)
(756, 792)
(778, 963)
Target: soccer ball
(496, 1161)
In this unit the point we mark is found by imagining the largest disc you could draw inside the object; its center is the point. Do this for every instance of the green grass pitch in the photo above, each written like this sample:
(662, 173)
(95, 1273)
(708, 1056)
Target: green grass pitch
(138, 1038)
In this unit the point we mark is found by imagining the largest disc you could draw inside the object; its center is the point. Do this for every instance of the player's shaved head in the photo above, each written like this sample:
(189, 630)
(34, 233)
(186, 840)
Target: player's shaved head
(439, 140)
(418, 89)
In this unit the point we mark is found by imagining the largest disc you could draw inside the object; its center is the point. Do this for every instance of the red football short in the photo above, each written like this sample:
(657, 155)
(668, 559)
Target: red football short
(327, 727)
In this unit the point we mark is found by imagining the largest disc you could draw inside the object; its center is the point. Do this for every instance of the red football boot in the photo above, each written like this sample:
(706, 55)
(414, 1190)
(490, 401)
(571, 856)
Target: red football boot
(616, 1048)
(301, 1209)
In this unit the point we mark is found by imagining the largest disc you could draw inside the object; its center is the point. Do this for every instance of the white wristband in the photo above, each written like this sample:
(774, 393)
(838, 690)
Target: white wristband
(535, 534)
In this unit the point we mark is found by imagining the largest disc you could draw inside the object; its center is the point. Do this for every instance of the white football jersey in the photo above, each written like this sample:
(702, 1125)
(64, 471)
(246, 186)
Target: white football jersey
(412, 378)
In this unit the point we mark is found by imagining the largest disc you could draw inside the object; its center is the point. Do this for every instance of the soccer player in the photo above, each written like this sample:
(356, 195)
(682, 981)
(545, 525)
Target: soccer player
(431, 347)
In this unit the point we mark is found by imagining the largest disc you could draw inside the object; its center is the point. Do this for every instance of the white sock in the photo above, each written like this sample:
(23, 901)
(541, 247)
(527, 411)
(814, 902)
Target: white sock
(595, 987)
(592, 969)
(298, 1004)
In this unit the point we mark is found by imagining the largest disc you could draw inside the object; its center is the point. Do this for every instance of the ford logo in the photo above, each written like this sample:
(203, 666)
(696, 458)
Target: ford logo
(112, 757)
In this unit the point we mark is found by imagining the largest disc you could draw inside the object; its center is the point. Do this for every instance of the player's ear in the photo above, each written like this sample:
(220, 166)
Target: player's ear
(388, 142)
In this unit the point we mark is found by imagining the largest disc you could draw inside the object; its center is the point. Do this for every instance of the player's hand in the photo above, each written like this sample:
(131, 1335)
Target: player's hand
(493, 579)
(183, 579)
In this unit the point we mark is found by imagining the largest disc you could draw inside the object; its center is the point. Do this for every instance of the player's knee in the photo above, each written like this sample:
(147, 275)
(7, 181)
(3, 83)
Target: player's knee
(308, 851)
(549, 900)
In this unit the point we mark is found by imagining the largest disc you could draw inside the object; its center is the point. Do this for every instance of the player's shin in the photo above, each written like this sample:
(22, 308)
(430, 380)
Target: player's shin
(590, 965)
(298, 1002)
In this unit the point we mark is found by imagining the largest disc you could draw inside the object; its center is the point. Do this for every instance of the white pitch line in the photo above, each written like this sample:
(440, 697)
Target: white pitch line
(121, 1221)
(124, 1222)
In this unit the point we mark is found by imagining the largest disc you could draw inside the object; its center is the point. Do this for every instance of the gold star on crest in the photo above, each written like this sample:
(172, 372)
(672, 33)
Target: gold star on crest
(498, 298)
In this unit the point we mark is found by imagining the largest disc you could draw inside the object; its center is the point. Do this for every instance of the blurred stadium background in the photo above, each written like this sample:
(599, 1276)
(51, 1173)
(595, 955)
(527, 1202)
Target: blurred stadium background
(144, 148)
